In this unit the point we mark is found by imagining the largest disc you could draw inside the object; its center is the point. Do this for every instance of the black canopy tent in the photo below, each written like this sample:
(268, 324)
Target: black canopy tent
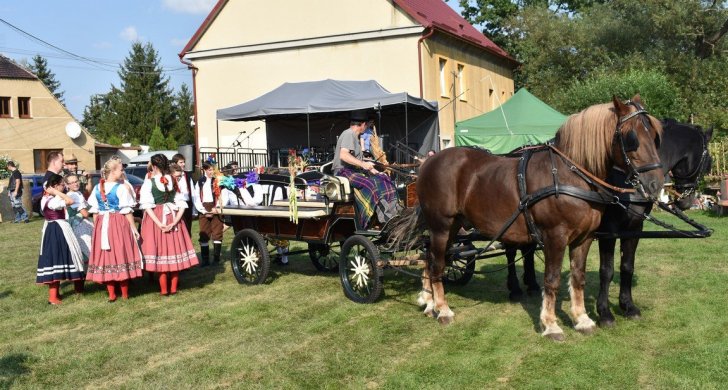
(313, 114)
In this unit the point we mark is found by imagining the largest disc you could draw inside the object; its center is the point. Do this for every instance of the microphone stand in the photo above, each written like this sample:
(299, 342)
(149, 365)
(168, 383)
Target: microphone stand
(236, 139)
(248, 137)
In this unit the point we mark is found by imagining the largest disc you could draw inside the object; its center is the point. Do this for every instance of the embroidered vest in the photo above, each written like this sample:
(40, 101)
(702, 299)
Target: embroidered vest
(112, 200)
(201, 183)
(161, 197)
(52, 215)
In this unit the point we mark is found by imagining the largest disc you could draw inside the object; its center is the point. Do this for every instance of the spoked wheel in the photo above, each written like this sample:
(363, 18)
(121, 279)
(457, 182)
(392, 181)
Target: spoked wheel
(360, 276)
(458, 272)
(249, 257)
(323, 257)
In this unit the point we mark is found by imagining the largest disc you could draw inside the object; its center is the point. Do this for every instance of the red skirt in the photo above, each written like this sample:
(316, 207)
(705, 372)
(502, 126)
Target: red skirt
(166, 252)
(123, 261)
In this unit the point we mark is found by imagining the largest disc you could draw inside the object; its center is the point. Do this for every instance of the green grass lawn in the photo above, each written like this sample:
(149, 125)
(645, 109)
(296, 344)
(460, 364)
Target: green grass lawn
(299, 331)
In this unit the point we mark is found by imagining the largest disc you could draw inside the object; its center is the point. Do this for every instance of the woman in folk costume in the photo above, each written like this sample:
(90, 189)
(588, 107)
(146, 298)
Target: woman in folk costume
(115, 256)
(207, 202)
(60, 256)
(166, 244)
(78, 215)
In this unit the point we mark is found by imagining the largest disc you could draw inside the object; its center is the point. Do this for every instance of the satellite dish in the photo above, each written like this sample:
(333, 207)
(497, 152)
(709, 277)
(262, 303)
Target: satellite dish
(73, 130)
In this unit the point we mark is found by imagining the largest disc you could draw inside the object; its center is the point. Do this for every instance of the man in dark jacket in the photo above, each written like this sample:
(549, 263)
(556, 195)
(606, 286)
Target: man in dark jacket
(15, 192)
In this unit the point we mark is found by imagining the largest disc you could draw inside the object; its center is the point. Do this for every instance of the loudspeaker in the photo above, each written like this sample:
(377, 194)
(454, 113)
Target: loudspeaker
(189, 152)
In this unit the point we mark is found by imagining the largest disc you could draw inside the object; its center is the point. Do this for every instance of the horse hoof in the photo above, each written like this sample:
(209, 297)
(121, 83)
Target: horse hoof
(556, 336)
(429, 313)
(635, 316)
(587, 330)
(633, 313)
(444, 320)
(607, 323)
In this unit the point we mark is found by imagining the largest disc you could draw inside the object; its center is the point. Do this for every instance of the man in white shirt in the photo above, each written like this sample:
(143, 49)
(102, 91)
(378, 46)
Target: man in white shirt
(207, 206)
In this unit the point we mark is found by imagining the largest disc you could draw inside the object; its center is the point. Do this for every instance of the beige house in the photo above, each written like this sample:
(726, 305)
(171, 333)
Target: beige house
(33, 122)
(246, 48)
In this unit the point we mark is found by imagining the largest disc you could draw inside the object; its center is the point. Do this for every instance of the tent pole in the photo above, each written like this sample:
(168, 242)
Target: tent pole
(406, 122)
(308, 131)
(217, 133)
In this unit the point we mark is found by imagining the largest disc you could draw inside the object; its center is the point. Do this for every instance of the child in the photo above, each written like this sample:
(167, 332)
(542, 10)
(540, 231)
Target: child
(115, 256)
(207, 205)
(60, 256)
(78, 215)
(166, 244)
(185, 186)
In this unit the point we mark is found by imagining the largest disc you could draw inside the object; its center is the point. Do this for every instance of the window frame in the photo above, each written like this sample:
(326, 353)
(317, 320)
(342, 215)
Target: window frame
(462, 92)
(442, 72)
(6, 107)
(23, 106)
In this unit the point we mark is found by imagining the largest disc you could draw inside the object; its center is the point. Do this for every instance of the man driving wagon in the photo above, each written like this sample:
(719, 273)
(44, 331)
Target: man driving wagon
(377, 194)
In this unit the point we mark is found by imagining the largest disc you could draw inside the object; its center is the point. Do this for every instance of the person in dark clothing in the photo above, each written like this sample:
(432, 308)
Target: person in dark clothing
(15, 192)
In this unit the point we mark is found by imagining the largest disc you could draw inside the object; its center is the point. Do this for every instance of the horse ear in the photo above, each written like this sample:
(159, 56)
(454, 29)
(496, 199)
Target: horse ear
(709, 134)
(619, 107)
(637, 99)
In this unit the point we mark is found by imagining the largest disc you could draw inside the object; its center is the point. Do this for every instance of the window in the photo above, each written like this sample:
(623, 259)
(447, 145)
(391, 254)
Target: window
(5, 107)
(443, 78)
(24, 107)
(461, 83)
(39, 157)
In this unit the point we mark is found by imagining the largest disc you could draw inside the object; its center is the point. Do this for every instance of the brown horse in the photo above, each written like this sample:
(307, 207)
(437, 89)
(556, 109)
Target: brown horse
(471, 187)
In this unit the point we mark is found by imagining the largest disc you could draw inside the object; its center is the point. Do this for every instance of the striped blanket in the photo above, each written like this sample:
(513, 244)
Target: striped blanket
(373, 191)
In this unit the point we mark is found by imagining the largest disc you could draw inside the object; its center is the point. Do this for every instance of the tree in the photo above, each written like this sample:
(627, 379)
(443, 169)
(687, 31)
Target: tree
(182, 130)
(142, 101)
(157, 140)
(40, 69)
(565, 47)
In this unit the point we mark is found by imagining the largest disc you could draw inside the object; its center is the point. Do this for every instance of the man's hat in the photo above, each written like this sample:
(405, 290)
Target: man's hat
(71, 159)
(360, 115)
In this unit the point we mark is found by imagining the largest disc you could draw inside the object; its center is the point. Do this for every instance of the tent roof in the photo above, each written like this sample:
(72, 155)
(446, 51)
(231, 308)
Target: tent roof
(319, 97)
(523, 120)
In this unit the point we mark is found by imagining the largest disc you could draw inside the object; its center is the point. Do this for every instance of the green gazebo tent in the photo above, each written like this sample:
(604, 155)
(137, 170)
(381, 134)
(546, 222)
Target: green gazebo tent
(523, 120)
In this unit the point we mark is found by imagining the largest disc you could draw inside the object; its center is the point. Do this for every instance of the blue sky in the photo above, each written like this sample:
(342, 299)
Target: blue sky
(101, 30)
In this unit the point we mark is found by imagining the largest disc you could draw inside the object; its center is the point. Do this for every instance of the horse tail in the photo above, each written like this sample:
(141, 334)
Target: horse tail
(405, 231)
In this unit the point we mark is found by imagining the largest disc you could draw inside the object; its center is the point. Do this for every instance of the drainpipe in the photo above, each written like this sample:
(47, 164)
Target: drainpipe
(194, 97)
(419, 55)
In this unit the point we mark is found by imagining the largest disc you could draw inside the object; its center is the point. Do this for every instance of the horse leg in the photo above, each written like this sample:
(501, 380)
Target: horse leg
(626, 272)
(577, 281)
(438, 246)
(529, 271)
(424, 298)
(512, 283)
(554, 255)
(606, 273)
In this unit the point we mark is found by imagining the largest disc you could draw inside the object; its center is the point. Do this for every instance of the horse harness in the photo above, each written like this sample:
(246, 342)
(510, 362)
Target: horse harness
(605, 193)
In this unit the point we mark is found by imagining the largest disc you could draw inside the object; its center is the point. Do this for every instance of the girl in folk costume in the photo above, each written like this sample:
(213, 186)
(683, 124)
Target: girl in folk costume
(115, 256)
(166, 244)
(78, 215)
(185, 187)
(60, 256)
(206, 197)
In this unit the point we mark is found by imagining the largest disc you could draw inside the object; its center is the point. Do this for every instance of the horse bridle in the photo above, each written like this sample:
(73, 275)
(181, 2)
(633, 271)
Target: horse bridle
(633, 172)
(685, 190)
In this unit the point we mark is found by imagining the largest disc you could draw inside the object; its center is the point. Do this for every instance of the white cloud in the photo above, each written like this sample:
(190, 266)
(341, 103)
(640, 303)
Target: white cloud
(189, 6)
(129, 34)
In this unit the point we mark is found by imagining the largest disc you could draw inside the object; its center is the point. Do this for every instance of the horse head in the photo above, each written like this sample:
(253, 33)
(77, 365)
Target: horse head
(686, 156)
(634, 146)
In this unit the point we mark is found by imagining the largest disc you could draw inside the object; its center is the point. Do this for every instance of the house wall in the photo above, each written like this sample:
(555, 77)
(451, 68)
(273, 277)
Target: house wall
(253, 47)
(46, 129)
(487, 81)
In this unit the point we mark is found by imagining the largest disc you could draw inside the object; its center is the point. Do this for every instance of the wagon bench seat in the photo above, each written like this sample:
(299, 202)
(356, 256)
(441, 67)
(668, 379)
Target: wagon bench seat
(280, 211)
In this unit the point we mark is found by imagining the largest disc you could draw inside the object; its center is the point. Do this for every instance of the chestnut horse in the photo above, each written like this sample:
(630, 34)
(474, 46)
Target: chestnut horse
(561, 203)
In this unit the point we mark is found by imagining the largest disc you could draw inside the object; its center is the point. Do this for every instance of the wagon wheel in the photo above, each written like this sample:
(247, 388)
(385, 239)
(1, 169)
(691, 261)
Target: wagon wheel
(458, 272)
(360, 276)
(250, 260)
(323, 257)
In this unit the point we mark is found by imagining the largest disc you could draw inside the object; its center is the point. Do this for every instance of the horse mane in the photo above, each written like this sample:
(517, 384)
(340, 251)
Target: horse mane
(587, 136)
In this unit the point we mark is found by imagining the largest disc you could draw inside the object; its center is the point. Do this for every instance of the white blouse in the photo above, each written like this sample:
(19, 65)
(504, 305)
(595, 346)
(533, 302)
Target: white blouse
(230, 199)
(126, 199)
(79, 203)
(146, 198)
(53, 202)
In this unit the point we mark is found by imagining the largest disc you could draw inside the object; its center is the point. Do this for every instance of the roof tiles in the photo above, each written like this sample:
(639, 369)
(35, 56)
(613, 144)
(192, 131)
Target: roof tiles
(10, 70)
